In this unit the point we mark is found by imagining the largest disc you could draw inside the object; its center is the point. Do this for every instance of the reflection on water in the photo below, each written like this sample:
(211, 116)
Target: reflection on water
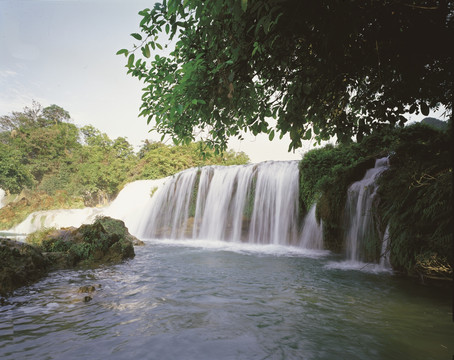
(201, 302)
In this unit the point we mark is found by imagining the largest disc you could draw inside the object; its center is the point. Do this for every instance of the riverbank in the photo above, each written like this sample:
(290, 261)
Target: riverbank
(106, 241)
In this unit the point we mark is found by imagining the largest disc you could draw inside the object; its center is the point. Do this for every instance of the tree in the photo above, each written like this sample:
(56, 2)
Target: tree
(55, 114)
(321, 68)
(34, 117)
(14, 176)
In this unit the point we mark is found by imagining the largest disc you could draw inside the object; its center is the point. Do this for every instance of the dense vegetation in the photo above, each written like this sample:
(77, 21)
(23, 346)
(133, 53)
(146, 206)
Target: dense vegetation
(320, 68)
(415, 194)
(52, 163)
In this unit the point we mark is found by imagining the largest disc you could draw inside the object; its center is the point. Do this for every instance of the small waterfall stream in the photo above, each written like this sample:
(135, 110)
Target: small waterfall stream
(359, 216)
(2, 195)
(312, 234)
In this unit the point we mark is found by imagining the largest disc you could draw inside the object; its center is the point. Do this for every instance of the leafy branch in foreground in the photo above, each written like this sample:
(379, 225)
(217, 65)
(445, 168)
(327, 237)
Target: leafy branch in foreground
(237, 63)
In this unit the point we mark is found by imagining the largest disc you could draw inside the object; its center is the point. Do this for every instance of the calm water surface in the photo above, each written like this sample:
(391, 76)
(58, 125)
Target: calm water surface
(208, 301)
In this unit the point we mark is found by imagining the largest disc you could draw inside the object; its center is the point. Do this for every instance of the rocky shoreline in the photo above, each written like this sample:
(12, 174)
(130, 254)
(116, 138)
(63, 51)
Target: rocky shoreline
(106, 241)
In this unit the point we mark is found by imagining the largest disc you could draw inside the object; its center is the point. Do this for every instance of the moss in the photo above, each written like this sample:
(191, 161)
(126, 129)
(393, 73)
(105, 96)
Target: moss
(194, 193)
(250, 199)
(106, 240)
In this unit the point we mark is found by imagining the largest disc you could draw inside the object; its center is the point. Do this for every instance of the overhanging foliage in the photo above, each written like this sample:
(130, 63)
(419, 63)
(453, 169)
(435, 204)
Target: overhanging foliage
(320, 68)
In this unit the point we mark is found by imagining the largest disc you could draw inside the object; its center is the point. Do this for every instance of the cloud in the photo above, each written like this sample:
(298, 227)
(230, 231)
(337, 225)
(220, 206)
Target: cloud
(4, 74)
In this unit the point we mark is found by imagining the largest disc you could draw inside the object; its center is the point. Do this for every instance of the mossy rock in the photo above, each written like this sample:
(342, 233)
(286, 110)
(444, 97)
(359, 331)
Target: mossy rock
(105, 241)
(20, 264)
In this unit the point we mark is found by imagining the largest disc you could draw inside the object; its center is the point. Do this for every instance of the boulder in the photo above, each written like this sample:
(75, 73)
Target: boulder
(106, 241)
(20, 264)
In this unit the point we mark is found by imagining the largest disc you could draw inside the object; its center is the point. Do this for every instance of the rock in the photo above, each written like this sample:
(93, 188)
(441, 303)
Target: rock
(87, 298)
(86, 289)
(135, 241)
(106, 241)
(20, 264)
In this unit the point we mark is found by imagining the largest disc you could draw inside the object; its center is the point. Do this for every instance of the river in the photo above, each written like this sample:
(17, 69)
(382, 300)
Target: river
(216, 300)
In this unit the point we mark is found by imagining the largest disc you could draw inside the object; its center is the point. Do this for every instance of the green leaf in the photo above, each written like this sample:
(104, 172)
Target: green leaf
(194, 102)
(271, 135)
(122, 51)
(130, 60)
(167, 28)
(136, 36)
(146, 51)
(244, 5)
(159, 46)
(424, 109)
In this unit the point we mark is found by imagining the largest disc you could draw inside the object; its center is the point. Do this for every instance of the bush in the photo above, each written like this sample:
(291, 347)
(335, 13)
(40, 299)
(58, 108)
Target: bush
(416, 198)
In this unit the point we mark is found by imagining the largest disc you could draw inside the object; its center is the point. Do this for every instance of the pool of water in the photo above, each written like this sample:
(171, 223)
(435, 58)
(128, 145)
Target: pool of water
(205, 300)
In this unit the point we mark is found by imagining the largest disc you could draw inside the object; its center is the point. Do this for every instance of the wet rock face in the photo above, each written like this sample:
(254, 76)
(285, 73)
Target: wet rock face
(106, 241)
(20, 264)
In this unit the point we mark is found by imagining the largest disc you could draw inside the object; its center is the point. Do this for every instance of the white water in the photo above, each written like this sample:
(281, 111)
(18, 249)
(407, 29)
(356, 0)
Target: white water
(254, 204)
(384, 255)
(128, 206)
(359, 209)
(2, 196)
(257, 204)
(248, 204)
(56, 218)
(312, 234)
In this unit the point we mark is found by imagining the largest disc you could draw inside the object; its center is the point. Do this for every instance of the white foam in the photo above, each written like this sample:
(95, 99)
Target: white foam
(243, 248)
(358, 266)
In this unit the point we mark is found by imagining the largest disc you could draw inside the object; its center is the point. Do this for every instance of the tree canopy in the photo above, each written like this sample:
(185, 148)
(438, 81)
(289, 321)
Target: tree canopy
(55, 164)
(41, 150)
(320, 68)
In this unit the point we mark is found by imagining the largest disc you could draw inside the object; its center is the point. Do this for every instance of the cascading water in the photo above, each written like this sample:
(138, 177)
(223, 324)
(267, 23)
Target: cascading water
(384, 255)
(2, 195)
(256, 204)
(311, 234)
(128, 206)
(359, 209)
(249, 203)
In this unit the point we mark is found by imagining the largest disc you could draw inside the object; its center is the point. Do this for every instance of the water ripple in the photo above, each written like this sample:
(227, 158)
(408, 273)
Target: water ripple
(190, 302)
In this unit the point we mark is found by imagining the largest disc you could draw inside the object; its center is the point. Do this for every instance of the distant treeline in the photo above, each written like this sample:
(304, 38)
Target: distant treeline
(54, 163)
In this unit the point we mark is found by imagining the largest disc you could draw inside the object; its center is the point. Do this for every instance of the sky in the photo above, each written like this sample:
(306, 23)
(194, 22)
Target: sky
(63, 52)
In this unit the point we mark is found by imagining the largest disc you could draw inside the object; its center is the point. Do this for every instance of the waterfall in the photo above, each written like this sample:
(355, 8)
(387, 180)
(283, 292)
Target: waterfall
(128, 206)
(2, 195)
(248, 203)
(359, 209)
(131, 202)
(384, 254)
(311, 234)
(256, 204)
